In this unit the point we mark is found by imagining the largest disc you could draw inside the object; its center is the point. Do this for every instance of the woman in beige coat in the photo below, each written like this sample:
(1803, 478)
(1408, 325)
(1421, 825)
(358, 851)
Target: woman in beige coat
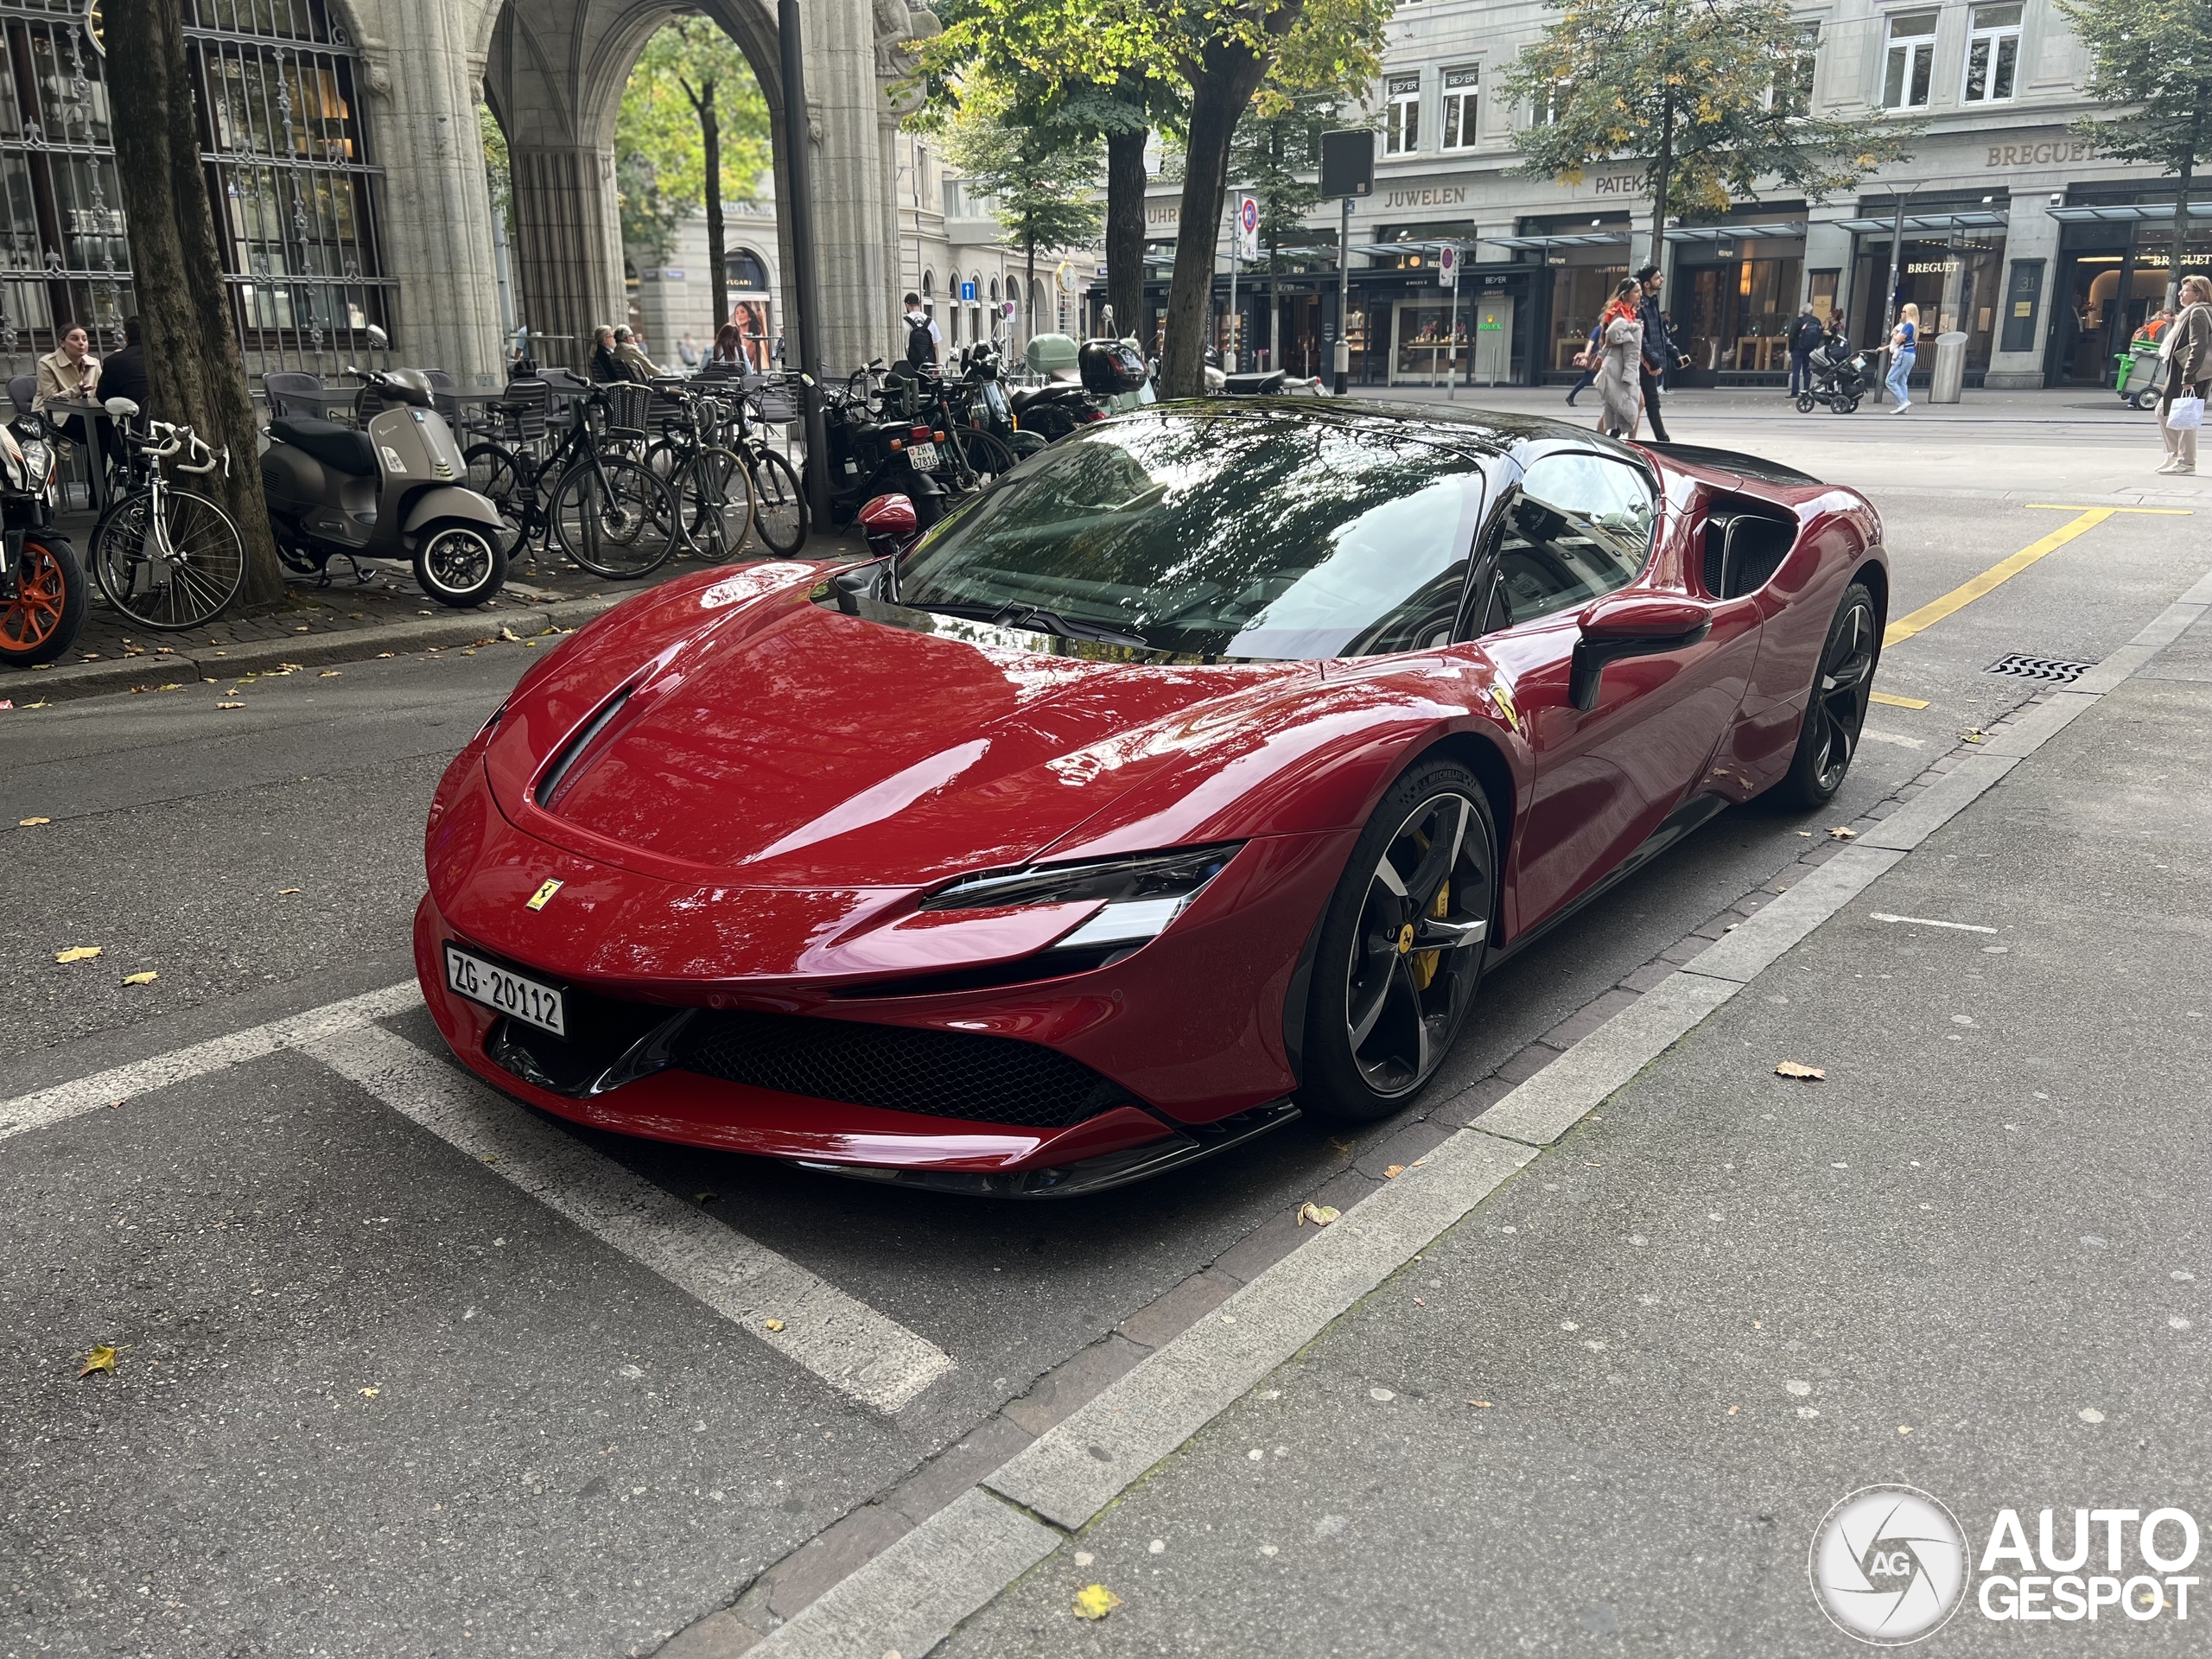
(2187, 348)
(1620, 353)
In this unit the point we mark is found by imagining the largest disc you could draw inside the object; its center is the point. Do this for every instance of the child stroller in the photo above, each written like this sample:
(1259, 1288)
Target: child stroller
(1840, 377)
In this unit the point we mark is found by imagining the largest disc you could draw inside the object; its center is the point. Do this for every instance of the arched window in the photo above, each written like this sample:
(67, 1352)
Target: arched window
(746, 270)
(976, 277)
(994, 290)
(929, 284)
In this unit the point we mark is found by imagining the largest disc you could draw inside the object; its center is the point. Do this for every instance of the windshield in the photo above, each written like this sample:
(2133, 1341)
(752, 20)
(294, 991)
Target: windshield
(1218, 535)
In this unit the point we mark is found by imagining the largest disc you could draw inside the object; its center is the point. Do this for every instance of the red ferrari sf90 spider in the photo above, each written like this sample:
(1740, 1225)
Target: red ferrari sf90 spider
(1188, 777)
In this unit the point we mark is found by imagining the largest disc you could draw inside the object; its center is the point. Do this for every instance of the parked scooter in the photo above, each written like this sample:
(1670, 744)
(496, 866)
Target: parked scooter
(987, 407)
(42, 587)
(393, 489)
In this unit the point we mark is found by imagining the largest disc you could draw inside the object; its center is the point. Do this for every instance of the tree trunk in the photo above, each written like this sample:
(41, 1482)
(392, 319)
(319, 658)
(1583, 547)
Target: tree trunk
(710, 133)
(192, 352)
(1125, 186)
(1229, 74)
(1662, 168)
(2181, 208)
(1029, 285)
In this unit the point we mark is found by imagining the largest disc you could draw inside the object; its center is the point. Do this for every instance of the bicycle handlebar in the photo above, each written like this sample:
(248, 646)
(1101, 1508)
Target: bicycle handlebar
(165, 442)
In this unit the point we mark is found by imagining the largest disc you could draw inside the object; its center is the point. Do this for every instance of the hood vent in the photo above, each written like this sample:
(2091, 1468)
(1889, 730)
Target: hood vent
(563, 766)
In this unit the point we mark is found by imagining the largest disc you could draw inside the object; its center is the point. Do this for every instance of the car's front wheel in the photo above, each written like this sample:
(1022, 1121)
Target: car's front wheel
(1402, 946)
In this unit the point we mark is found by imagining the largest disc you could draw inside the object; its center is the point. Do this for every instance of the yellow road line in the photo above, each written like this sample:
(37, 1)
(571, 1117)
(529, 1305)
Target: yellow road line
(1898, 703)
(2161, 512)
(2003, 571)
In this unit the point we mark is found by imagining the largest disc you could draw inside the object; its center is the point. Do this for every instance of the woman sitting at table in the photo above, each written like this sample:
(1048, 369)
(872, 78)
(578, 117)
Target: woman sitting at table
(71, 373)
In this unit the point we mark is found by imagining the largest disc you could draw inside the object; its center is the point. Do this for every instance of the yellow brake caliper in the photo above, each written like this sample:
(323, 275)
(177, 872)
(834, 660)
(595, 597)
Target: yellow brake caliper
(1424, 961)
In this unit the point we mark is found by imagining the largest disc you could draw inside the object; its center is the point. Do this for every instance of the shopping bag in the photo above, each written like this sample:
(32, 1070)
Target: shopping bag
(2186, 415)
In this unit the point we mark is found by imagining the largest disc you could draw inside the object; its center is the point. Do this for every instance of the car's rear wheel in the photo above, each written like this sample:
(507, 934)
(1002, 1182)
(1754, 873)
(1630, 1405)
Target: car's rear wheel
(1402, 947)
(1837, 710)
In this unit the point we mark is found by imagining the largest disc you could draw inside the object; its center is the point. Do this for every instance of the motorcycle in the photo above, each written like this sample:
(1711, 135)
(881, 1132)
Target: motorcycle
(393, 489)
(987, 407)
(1841, 377)
(1060, 404)
(880, 450)
(42, 585)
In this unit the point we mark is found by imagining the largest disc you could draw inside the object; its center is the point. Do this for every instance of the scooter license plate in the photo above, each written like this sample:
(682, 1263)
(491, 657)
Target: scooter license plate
(922, 457)
(525, 1000)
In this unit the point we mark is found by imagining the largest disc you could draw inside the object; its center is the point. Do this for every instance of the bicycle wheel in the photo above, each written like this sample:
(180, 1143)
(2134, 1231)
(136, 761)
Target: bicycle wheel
(715, 504)
(779, 502)
(982, 456)
(186, 583)
(492, 472)
(626, 527)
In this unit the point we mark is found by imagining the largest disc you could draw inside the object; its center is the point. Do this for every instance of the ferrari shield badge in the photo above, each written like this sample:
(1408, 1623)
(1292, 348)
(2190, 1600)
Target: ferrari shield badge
(539, 900)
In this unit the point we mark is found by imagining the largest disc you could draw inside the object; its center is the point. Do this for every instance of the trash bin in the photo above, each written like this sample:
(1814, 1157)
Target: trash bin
(1950, 372)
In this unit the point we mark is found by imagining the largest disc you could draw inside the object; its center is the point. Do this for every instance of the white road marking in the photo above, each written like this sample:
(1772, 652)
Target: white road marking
(1868, 734)
(67, 1100)
(844, 1342)
(1928, 921)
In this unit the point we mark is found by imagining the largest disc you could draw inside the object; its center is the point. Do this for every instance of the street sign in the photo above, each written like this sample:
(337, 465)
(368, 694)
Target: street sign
(1248, 227)
(1348, 163)
(967, 292)
(1447, 260)
(1008, 309)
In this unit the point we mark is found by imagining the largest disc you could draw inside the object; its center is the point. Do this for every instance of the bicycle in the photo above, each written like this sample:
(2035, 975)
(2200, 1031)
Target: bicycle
(712, 484)
(605, 511)
(167, 558)
(780, 514)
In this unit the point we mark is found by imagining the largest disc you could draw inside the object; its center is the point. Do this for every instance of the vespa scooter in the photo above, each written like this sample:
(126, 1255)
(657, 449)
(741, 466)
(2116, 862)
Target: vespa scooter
(395, 489)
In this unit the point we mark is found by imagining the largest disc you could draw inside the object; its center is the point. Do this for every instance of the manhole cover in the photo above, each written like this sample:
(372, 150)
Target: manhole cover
(2056, 669)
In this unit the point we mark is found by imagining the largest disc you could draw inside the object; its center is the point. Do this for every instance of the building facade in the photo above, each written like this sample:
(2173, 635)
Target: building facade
(2004, 226)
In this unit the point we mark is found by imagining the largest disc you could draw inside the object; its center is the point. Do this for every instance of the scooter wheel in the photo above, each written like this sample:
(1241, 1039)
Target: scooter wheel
(1806, 402)
(41, 620)
(460, 564)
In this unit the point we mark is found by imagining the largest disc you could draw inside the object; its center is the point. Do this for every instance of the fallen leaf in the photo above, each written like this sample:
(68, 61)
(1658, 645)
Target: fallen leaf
(371, 1394)
(383, 654)
(328, 674)
(1841, 833)
(1095, 1601)
(171, 686)
(146, 978)
(1393, 1172)
(1484, 1404)
(281, 892)
(772, 1324)
(26, 824)
(510, 635)
(1319, 1214)
(77, 953)
(1732, 1410)
(1793, 1068)
(230, 705)
(102, 1358)
(1977, 735)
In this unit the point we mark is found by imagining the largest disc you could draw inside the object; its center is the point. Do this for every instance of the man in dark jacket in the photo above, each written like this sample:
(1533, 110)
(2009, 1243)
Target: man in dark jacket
(124, 375)
(1806, 334)
(1659, 351)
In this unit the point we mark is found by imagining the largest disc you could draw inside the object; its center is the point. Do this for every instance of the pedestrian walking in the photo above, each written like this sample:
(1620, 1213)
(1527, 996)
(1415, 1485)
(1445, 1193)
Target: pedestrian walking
(1621, 359)
(2187, 348)
(1903, 343)
(1587, 361)
(1660, 354)
(1806, 334)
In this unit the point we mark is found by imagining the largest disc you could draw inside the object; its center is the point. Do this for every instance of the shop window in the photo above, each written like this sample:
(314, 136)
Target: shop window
(1993, 54)
(1792, 92)
(952, 198)
(1461, 87)
(743, 269)
(1402, 118)
(1911, 57)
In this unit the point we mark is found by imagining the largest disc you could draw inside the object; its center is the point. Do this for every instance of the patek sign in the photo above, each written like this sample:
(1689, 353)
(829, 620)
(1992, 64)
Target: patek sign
(1248, 227)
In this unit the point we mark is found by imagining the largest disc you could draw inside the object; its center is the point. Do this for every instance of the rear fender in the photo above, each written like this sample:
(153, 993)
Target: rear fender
(446, 501)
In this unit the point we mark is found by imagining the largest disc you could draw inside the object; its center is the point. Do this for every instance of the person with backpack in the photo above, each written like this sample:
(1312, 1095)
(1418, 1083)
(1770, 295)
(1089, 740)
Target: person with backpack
(1806, 334)
(922, 336)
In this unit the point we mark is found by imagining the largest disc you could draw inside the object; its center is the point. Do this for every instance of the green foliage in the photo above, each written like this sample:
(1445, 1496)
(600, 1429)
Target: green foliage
(1688, 86)
(2152, 60)
(1277, 156)
(1041, 180)
(659, 148)
(498, 167)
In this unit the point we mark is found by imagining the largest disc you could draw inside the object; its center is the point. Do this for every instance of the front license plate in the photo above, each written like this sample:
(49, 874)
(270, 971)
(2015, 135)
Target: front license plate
(510, 992)
(923, 456)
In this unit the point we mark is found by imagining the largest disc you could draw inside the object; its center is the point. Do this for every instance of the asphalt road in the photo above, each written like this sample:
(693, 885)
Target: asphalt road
(371, 1396)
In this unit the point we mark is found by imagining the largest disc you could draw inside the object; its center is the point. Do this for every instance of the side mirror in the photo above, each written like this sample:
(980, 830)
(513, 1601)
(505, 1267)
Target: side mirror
(888, 523)
(1630, 624)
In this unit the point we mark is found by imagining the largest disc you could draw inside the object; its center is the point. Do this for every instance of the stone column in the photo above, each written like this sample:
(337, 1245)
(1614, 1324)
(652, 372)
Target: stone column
(569, 251)
(853, 211)
(435, 207)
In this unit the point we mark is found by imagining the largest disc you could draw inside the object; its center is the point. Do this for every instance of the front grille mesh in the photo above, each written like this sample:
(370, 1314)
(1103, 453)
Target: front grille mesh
(897, 1068)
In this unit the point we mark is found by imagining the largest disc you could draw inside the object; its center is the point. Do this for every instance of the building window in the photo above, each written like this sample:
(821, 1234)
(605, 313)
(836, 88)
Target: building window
(1460, 107)
(1551, 103)
(1402, 118)
(1911, 56)
(1793, 82)
(742, 268)
(952, 198)
(1993, 54)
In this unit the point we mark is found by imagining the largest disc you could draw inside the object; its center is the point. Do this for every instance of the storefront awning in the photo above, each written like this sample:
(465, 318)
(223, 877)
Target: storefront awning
(1980, 220)
(1374, 250)
(1569, 240)
(2127, 212)
(1734, 233)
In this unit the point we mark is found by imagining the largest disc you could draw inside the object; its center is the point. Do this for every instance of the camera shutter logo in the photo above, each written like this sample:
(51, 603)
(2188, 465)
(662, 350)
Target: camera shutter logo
(1889, 1564)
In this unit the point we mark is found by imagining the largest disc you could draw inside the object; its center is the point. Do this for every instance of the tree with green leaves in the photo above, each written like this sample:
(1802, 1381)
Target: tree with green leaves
(692, 132)
(2152, 59)
(1276, 155)
(1040, 181)
(1707, 94)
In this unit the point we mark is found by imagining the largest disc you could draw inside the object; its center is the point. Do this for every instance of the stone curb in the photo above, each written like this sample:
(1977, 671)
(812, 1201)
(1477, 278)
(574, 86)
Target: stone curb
(75, 680)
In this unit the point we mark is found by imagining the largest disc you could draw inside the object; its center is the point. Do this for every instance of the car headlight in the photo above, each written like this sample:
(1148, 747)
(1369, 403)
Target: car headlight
(1142, 892)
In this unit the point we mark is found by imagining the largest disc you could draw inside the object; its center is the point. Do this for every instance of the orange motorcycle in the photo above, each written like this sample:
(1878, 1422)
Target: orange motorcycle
(42, 580)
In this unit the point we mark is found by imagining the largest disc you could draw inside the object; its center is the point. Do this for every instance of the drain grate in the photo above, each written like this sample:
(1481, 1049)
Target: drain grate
(2056, 669)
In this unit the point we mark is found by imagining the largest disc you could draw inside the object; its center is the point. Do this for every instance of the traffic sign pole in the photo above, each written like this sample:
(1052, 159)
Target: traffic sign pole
(1451, 257)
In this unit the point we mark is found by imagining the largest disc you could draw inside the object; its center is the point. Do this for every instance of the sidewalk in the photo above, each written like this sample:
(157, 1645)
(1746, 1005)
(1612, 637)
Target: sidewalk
(344, 622)
(1606, 1412)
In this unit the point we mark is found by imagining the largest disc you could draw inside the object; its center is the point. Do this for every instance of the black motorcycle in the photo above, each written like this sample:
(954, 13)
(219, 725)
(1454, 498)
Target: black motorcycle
(979, 400)
(1841, 377)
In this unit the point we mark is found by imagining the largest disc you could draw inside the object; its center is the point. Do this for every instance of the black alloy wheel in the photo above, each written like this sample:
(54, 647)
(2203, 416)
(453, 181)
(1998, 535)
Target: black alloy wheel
(1402, 946)
(1836, 712)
